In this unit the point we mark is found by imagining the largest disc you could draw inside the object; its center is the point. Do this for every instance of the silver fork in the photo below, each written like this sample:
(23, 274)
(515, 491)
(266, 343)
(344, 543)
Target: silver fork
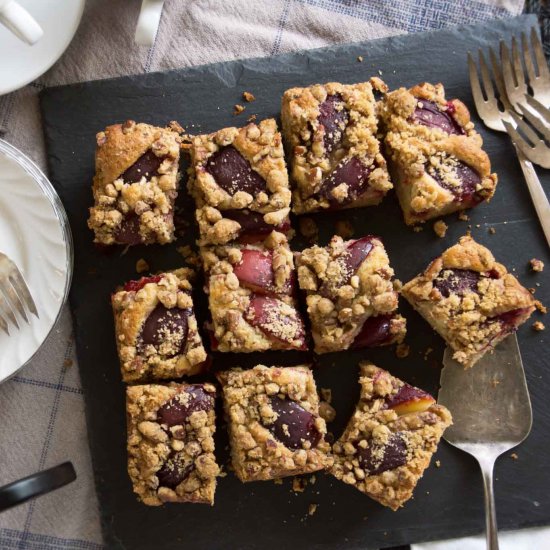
(494, 117)
(15, 296)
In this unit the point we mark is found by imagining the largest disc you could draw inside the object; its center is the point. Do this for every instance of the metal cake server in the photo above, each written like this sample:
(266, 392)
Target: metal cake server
(491, 412)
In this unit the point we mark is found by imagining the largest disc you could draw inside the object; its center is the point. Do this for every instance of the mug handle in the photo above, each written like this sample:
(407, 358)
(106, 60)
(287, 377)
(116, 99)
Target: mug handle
(19, 21)
(35, 485)
(148, 22)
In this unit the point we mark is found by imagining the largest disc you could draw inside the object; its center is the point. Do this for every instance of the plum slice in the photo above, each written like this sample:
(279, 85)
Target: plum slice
(232, 172)
(165, 324)
(334, 117)
(178, 409)
(409, 399)
(469, 180)
(351, 171)
(457, 281)
(128, 230)
(374, 332)
(147, 165)
(293, 424)
(277, 320)
(429, 114)
(134, 286)
(376, 459)
(174, 471)
(356, 253)
(511, 319)
(253, 222)
(255, 270)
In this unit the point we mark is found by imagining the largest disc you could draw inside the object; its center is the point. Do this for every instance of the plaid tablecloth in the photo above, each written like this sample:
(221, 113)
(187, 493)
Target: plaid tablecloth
(42, 409)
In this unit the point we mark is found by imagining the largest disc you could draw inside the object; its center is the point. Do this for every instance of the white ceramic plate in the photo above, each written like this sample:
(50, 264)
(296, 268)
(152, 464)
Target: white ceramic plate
(21, 63)
(35, 234)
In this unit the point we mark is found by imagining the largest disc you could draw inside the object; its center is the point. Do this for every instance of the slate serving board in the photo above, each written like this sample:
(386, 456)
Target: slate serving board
(448, 501)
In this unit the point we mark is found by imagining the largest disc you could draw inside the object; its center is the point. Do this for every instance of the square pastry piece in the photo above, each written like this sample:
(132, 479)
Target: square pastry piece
(252, 296)
(351, 301)
(335, 161)
(135, 184)
(390, 439)
(170, 442)
(156, 328)
(434, 153)
(470, 300)
(239, 180)
(274, 425)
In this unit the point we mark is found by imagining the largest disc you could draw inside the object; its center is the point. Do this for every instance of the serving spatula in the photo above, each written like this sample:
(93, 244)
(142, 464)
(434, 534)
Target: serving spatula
(491, 412)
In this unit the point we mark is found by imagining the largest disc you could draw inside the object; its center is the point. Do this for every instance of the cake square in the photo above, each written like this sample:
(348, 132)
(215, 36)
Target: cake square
(330, 133)
(434, 153)
(390, 439)
(171, 442)
(252, 296)
(239, 180)
(156, 329)
(351, 300)
(274, 425)
(470, 300)
(135, 184)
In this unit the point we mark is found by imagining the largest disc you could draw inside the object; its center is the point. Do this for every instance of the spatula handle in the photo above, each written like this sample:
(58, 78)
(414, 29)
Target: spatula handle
(491, 529)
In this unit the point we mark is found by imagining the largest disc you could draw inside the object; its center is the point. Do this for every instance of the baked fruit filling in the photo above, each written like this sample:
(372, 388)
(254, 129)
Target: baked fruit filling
(433, 115)
(333, 118)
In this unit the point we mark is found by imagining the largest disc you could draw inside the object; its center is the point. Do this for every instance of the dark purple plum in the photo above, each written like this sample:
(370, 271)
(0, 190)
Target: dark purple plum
(510, 319)
(147, 165)
(162, 323)
(469, 180)
(351, 171)
(334, 117)
(375, 459)
(429, 114)
(356, 253)
(176, 411)
(232, 172)
(128, 231)
(457, 281)
(253, 222)
(294, 424)
(173, 471)
(374, 332)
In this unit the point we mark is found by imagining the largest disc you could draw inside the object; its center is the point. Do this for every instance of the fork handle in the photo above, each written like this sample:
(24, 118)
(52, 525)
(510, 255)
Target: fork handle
(491, 529)
(540, 200)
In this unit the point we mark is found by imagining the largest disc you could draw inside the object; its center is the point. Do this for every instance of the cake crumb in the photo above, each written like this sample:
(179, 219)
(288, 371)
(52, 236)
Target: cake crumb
(440, 228)
(418, 228)
(142, 266)
(238, 109)
(309, 229)
(360, 58)
(427, 352)
(438, 463)
(536, 265)
(189, 255)
(326, 394)
(397, 284)
(312, 509)
(68, 363)
(247, 96)
(312, 479)
(495, 382)
(402, 350)
(251, 118)
(538, 326)
(344, 229)
(278, 481)
(299, 484)
(492, 230)
(326, 411)
(532, 290)
(463, 217)
(514, 456)
(539, 305)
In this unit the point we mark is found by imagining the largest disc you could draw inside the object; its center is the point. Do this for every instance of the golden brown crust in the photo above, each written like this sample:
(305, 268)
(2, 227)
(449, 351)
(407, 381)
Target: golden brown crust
(261, 145)
(151, 198)
(470, 320)
(152, 443)
(424, 159)
(311, 163)
(339, 302)
(140, 363)
(374, 426)
(256, 453)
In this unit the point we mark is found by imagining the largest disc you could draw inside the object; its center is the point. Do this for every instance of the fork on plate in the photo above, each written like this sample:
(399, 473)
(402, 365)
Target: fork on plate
(512, 108)
(15, 296)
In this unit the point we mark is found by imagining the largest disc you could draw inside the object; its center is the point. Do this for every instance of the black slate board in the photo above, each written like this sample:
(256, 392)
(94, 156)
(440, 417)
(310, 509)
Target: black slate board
(448, 501)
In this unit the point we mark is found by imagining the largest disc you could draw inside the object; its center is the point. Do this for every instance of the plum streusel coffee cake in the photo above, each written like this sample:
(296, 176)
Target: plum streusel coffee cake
(335, 160)
(390, 439)
(156, 329)
(434, 153)
(351, 301)
(239, 180)
(170, 442)
(252, 296)
(135, 184)
(274, 425)
(469, 299)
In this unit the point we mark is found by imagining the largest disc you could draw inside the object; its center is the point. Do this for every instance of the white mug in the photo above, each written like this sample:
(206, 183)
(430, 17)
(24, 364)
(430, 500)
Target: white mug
(148, 22)
(20, 22)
